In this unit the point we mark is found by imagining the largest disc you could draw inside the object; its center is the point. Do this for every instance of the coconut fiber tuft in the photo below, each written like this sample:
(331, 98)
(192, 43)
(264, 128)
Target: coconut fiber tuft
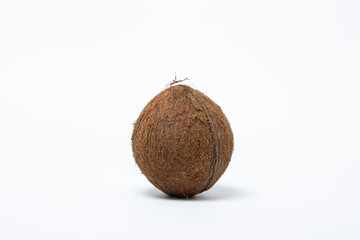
(182, 141)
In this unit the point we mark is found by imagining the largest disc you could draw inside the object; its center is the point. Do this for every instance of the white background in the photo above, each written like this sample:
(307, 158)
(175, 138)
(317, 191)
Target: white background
(75, 75)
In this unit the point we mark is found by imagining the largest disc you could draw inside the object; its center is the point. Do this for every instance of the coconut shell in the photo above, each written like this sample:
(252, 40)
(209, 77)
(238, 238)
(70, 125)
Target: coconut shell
(182, 141)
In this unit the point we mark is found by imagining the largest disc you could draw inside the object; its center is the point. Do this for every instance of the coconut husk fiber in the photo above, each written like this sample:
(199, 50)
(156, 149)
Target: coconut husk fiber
(182, 141)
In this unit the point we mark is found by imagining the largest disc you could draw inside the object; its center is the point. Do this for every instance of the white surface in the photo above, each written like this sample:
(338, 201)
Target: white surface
(74, 76)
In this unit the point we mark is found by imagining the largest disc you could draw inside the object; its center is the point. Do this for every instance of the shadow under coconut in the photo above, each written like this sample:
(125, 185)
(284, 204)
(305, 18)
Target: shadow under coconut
(215, 193)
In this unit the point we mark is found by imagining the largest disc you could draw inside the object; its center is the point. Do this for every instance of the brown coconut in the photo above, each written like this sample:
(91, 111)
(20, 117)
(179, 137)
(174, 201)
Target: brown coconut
(182, 141)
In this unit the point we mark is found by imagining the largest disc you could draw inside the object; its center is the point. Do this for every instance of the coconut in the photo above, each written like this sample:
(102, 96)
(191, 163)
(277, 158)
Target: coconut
(182, 141)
